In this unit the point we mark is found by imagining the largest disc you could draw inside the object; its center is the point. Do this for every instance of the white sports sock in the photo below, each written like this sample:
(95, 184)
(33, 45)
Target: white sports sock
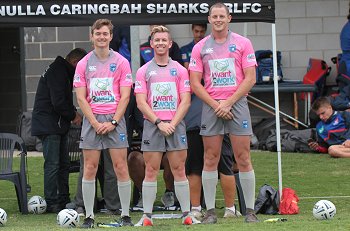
(88, 189)
(182, 191)
(124, 190)
(247, 180)
(209, 182)
(149, 192)
(199, 208)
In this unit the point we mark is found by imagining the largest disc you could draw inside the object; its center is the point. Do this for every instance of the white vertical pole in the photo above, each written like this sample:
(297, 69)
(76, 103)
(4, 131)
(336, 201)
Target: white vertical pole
(277, 108)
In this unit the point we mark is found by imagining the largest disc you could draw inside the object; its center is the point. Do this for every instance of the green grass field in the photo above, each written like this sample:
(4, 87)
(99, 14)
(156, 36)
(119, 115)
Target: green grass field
(312, 176)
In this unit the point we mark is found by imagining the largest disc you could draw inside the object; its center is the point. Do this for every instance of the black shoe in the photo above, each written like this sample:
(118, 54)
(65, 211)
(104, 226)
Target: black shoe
(54, 208)
(126, 221)
(88, 223)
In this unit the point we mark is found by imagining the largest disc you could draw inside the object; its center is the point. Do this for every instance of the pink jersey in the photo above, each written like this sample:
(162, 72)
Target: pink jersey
(222, 64)
(103, 80)
(163, 86)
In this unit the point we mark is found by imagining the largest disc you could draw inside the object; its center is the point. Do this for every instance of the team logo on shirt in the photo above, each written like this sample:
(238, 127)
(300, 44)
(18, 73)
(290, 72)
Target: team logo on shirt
(92, 68)
(245, 124)
(173, 72)
(251, 58)
(112, 67)
(184, 56)
(320, 130)
(187, 83)
(232, 47)
(336, 121)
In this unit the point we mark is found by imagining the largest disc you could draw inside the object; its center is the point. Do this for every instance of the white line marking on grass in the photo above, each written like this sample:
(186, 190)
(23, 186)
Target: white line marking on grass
(316, 197)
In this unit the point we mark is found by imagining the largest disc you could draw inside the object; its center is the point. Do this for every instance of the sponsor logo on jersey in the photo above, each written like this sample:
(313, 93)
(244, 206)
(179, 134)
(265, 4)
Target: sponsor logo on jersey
(186, 83)
(146, 142)
(209, 50)
(112, 67)
(151, 73)
(320, 130)
(128, 78)
(92, 68)
(232, 47)
(192, 62)
(251, 58)
(222, 72)
(138, 84)
(76, 78)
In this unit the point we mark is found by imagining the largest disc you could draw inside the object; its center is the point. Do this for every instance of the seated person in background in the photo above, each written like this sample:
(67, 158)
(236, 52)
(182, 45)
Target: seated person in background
(198, 31)
(333, 135)
(136, 162)
(147, 53)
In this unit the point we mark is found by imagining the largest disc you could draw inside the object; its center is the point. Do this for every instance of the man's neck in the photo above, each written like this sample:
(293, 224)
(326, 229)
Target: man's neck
(161, 60)
(220, 37)
(102, 53)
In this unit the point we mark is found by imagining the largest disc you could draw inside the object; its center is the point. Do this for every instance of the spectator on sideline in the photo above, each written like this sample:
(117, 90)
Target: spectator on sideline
(333, 134)
(198, 31)
(163, 96)
(226, 62)
(53, 114)
(103, 81)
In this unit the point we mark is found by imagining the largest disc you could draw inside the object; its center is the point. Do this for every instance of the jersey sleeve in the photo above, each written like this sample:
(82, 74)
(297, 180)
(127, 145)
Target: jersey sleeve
(79, 79)
(196, 63)
(184, 84)
(248, 55)
(125, 77)
(140, 83)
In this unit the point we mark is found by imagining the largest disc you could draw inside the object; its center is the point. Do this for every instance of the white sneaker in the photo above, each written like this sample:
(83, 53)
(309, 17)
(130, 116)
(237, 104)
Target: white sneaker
(232, 214)
(189, 219)
(145, 221)
(197, 214)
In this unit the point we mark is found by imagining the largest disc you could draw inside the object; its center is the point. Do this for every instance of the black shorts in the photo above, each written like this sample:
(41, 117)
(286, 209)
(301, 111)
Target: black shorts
(195, 155)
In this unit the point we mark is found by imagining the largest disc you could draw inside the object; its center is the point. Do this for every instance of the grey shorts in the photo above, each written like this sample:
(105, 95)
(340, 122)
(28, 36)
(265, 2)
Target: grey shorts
(240, 125)
(154, 141)
(115, 139)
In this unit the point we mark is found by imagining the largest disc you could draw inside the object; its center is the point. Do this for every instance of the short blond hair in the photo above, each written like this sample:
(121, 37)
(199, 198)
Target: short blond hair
(160, 29)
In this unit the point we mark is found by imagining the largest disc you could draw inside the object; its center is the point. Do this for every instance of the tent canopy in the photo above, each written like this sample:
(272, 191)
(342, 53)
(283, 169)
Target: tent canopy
(29, 13)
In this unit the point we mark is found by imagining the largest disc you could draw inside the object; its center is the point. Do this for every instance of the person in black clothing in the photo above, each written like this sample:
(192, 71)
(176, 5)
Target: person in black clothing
(53, 114)
(146, 51)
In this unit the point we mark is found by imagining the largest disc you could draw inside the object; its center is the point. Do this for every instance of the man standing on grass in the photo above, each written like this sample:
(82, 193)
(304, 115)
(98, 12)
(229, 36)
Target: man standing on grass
(103, 83)
(226, 62)
(162, 91)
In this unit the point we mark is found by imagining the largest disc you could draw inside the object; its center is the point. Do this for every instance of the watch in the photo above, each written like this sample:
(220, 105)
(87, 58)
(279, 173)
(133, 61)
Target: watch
(114, 122)
(158, 121)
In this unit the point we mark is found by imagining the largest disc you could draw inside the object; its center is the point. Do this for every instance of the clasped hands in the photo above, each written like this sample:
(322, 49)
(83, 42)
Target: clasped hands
(223, 110)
